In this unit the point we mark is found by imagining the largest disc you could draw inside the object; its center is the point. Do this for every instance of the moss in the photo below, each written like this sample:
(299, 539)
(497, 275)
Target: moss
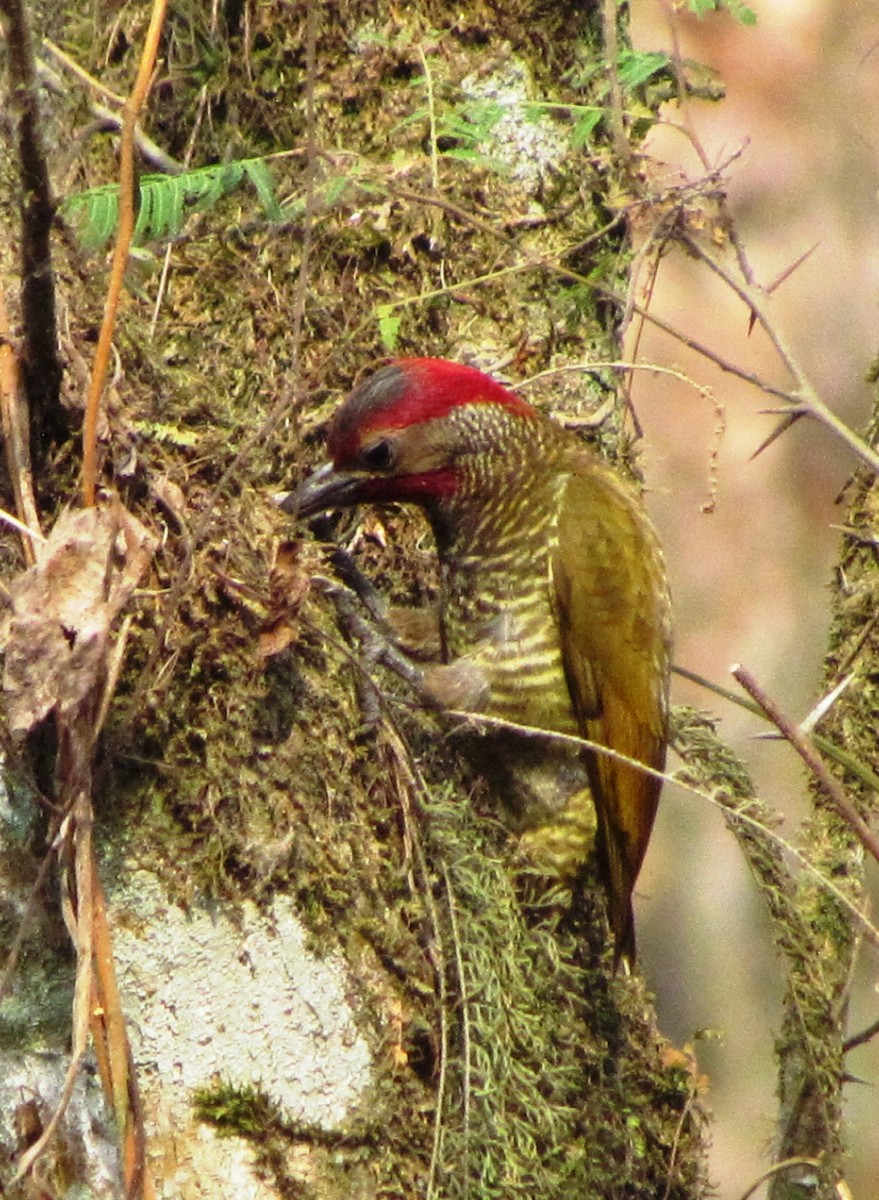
(236, 774)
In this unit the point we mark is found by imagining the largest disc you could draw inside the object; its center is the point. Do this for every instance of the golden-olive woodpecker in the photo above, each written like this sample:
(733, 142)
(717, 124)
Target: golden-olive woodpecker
(554, 607)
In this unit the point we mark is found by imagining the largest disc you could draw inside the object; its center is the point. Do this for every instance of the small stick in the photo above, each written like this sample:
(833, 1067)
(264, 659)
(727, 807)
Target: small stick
(810, 756)
(124, 232)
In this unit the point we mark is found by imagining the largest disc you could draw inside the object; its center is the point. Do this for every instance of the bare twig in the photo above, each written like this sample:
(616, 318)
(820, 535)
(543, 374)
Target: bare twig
(861, 1039)
(80, 72)
(805, 395)
(127, 185)
(677, 59)
(776, 1169)
(837, 754)
(609, 16)
(830, 786)
(698, 347)
(15, 441)
(649, 253)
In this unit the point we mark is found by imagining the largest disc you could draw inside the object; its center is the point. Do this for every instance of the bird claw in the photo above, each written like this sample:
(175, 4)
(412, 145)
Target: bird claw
(375, 647)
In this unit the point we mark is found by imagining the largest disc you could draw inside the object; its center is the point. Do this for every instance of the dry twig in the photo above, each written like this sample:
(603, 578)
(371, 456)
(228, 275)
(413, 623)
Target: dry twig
(810, 756)
(804, 399)
(127, 184)
(15, 440)
(61, 660)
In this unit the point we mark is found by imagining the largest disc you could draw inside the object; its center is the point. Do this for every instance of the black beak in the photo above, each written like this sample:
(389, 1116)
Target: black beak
(327, 488)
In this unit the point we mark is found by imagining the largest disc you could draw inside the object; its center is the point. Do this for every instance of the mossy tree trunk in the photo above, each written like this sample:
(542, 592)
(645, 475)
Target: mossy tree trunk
(814, 1040)
(451, 181)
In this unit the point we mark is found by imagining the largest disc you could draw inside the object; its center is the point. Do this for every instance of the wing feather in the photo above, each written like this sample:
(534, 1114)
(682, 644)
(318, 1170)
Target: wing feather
(614, 616)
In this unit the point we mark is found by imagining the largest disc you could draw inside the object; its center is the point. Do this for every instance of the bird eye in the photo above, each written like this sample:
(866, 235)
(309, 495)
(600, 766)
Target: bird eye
(379, 456)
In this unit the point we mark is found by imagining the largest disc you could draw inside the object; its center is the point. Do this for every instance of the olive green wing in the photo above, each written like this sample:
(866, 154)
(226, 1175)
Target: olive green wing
(613, 609)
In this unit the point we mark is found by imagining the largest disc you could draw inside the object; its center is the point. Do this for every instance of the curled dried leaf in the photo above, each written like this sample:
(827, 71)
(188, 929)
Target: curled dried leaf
(63, 610)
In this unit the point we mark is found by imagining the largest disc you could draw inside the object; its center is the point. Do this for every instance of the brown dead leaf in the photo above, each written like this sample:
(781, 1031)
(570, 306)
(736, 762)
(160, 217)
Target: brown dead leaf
(288, 587)
(288, 582)
(276, 636)
(63, 609)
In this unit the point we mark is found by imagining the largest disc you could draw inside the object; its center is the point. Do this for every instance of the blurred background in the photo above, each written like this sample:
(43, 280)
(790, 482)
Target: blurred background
(751, 578)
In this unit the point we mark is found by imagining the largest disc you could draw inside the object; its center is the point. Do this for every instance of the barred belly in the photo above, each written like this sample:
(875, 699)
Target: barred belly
(526, 674)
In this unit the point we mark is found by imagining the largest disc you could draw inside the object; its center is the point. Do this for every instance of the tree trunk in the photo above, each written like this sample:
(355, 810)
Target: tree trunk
(337, 979)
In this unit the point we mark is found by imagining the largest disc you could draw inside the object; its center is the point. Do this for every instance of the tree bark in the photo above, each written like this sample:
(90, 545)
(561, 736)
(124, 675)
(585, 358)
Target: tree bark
(339, 979)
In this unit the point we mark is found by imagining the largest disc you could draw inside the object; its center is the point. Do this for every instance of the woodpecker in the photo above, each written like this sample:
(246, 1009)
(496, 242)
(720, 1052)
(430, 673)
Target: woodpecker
(554, 606)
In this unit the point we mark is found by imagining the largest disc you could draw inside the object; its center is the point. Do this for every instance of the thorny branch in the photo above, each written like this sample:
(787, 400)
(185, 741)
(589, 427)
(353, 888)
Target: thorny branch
(805, 399)
(552, 265)
(807, 752)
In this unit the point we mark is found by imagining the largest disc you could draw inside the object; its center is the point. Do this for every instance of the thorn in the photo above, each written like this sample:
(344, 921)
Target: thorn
(788, 271)
(779, 280)
(782, 427)
(824, 705)
(809, 722)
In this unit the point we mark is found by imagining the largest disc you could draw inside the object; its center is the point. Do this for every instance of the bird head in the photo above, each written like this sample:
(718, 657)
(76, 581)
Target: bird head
(405, 434)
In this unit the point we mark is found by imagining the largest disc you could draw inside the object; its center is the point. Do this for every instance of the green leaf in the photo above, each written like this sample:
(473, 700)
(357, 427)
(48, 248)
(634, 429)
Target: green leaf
(388, 326)
(635, 68)
(420, 114)
(475, 158)
(260, 176)
(584, 126)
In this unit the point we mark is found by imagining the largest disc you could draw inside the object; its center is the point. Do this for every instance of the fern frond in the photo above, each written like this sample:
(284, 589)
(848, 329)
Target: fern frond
(165, 201)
